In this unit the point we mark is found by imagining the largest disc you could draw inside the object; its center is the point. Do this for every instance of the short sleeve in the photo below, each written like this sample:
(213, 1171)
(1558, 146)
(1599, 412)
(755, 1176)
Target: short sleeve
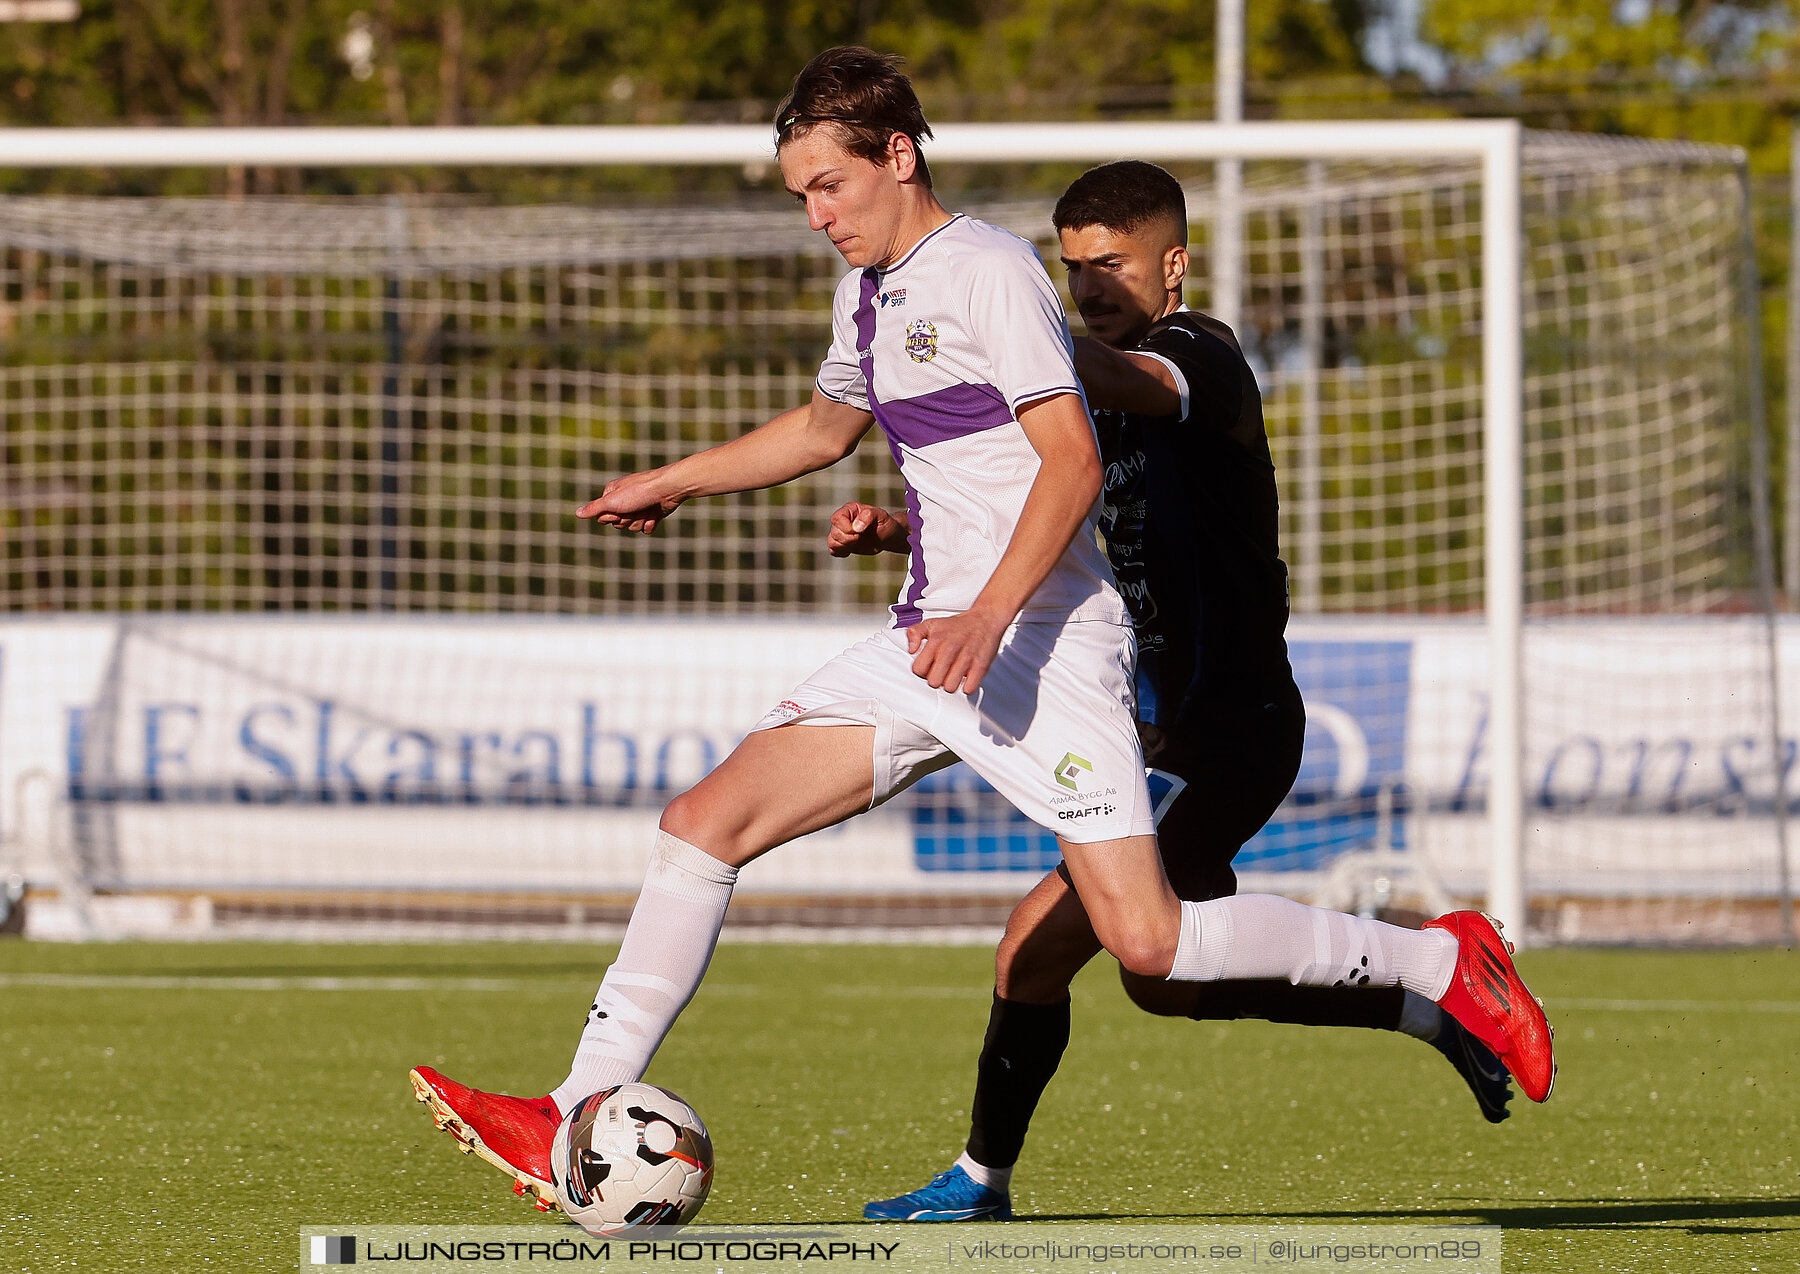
(841, 374)
(1180, 374)
(1018, 321)
(1207, 371)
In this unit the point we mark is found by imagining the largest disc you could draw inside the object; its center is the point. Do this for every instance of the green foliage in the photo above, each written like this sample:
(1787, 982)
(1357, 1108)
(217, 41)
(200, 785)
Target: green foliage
(603, 61)
(1649, 68)
(443, 61)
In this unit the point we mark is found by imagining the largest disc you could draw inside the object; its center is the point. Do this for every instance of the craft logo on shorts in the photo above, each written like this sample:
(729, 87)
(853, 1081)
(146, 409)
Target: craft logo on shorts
(895, 298)
(1068, 771)
(333, 1249)
(921, 341)
(788, 708)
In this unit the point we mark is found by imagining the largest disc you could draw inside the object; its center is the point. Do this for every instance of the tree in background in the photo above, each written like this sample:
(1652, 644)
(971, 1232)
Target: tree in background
(400, 62)
(1691, 69)
(432, 61)
(1648, 67)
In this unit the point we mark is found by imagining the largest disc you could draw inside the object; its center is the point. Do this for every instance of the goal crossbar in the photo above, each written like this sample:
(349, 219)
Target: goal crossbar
(1495, 144)
(1494, 141)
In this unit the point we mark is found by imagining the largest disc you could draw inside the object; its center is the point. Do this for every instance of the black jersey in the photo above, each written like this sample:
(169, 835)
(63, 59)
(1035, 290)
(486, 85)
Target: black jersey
(1189, 516)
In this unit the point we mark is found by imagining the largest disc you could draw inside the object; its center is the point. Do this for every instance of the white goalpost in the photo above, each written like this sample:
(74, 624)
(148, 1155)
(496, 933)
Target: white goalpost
(128, 750)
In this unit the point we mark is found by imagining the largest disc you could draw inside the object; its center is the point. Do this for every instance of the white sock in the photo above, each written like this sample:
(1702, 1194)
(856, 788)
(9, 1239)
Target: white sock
(667, 946)
(1420, 1018)
(993, 1178)
(1267, 936)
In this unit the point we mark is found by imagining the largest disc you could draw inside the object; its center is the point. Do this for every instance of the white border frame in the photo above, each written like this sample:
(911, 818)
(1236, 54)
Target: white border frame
(1496, 143)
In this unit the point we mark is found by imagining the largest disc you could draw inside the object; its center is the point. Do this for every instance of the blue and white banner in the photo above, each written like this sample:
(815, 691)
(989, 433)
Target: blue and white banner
(532, 753)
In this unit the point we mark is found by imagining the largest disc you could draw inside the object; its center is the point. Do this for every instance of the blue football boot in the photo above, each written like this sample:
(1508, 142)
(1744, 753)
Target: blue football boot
(951, 1196)
(1485, 1074)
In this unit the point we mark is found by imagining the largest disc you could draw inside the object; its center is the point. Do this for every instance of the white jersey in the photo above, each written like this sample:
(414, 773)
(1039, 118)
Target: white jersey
(944, 347)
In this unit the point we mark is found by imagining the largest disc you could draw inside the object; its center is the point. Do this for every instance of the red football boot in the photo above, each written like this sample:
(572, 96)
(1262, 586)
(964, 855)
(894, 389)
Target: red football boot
(512, 1133)
(1489, 998)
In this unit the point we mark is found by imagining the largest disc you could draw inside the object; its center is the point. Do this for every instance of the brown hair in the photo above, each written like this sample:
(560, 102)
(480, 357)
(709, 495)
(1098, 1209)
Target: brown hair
(863, 96)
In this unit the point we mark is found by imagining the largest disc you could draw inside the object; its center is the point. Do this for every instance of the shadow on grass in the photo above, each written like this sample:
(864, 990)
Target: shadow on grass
(1570, 1214)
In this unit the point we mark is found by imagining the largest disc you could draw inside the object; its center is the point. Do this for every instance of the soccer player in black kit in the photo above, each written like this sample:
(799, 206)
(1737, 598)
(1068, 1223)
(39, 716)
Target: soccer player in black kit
(1189, 518)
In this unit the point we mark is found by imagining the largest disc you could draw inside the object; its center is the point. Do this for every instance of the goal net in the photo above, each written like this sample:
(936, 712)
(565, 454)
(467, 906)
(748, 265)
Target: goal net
(303, 634)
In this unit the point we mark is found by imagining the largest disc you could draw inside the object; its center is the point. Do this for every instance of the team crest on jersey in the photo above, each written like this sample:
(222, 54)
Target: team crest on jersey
(921, 341)
(894, 299)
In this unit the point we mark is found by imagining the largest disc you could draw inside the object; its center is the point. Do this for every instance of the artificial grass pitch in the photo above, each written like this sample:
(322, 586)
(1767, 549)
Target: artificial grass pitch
(190, 1107)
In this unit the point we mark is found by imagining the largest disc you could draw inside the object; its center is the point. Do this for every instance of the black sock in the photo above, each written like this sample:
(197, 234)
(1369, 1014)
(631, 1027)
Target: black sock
(1277, 1001)
(1024, 1044)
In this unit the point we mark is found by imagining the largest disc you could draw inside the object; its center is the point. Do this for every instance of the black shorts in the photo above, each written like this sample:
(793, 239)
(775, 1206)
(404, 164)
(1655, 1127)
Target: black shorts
(1239, 764)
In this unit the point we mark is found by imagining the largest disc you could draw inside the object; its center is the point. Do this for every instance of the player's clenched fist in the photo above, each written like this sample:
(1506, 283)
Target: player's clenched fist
(954, 652)
(865, 529)
(637, 502)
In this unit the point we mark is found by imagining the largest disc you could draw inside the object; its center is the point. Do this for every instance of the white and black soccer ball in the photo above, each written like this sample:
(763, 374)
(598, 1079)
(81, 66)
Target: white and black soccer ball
(631, 1156)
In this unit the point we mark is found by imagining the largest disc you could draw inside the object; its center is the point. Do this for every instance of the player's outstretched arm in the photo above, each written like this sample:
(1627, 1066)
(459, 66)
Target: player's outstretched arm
(1117, 381)
(954, 652)
(794, 443)
(865, 529)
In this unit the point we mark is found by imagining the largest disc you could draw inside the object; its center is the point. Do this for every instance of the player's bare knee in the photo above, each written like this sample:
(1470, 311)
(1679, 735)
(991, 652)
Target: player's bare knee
(680, 817)
(692, 818)
(1145, 954)
(1158, 995)
(1146, 959)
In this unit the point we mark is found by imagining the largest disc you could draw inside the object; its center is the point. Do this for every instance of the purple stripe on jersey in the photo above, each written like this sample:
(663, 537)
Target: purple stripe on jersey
(864, 319)
(906, 610)
(955, 411)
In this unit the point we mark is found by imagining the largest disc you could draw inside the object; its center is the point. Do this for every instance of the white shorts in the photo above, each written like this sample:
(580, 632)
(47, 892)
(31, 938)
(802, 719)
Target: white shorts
(1053, 727)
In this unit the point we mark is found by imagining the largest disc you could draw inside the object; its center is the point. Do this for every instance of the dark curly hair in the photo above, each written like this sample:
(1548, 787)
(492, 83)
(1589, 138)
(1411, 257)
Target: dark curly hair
(1123, 197)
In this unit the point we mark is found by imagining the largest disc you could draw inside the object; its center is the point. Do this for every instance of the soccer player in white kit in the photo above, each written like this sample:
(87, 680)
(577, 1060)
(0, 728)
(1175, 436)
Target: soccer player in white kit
(1009, 647)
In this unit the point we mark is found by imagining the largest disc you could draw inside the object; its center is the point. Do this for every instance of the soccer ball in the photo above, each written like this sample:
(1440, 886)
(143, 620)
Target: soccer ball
(631, 1156)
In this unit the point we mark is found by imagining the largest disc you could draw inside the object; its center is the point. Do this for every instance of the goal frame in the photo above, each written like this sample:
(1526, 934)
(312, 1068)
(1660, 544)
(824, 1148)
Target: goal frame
(1496, 144)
